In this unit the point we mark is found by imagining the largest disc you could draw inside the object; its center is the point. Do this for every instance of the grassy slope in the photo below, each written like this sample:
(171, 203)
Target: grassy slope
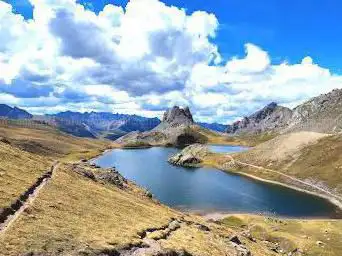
(28, 153)
(292, 234)
(317, 160)
(313, 158)
(74, 214)
(49, 142)
(18, 171)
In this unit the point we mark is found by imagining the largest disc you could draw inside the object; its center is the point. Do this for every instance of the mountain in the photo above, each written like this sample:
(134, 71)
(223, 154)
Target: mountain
(320, 114)
(176, 129)
(13, 113)
(175, 117)
(102, 124)
(214, 126)
(270, 118)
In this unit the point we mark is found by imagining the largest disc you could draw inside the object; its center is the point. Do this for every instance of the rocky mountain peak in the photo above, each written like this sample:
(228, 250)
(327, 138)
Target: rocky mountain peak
(178, 116)
(269, 118)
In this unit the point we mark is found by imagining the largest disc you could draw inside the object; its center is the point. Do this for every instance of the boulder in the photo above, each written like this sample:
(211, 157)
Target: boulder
(190, 156)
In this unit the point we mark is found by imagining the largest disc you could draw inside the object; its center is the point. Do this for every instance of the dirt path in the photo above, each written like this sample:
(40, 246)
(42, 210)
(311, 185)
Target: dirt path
(150, 240)
(285, 175)
(26, 199)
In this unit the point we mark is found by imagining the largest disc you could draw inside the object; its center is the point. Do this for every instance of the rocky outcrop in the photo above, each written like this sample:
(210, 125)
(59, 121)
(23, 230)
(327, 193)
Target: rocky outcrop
(93, 172)
(175, 117)
(270, 118)
(320, 114)
(177, 129)
(190, 156)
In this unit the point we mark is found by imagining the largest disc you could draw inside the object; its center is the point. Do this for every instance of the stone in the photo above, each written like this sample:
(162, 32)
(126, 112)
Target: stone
(320, 243)
(235, 239)
(190, 156)
(174, 225)
(202, 227)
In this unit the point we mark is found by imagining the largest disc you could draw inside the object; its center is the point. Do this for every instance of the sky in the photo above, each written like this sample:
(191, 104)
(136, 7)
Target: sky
(224, 59)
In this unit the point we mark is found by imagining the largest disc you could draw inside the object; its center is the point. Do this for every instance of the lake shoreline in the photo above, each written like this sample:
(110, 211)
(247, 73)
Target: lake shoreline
(331, 200)
(218, 216)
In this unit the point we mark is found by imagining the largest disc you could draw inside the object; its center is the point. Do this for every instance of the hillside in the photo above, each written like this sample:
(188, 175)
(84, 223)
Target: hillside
(320, 114)
(311, 157)
(271, 118)
(85, 210)
(72, 213)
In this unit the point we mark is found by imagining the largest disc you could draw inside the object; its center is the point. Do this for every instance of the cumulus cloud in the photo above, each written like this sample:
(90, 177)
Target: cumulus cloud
(141, 58)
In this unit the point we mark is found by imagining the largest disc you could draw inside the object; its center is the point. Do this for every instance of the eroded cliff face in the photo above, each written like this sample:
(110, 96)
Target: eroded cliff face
(319, 114)
(176, 117)
(271, 118)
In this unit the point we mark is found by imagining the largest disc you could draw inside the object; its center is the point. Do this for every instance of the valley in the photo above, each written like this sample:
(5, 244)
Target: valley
(93, 208)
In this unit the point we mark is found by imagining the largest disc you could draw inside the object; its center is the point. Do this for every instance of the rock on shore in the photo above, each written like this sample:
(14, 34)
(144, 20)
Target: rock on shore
(190, 156)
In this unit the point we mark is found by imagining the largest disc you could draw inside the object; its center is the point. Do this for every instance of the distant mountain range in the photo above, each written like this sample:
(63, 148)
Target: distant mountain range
(13, 113)
(92, 124)
(214, 126)
(102, 124)
(319, 114)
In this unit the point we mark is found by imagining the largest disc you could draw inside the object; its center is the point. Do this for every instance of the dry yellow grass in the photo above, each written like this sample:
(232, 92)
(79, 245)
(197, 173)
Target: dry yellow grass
(287, 145)
(316, 160)
(27, 153)
(74, 214)
(52, 143)
(302, 235)
(18, 171)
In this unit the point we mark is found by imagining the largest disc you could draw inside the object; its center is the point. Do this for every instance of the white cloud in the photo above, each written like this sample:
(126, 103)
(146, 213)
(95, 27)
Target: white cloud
(142, 58)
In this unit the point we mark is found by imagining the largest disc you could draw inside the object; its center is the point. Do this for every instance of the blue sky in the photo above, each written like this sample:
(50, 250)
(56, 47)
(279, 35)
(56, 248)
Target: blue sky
(225, 58)
(289, 29)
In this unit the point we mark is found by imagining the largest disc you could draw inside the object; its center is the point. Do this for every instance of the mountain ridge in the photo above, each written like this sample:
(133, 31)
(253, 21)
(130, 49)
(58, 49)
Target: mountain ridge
(13, 113)
(318, 114)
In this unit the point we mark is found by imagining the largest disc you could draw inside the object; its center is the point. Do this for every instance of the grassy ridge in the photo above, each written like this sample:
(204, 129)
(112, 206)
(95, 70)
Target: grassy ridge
(26, 153)
(49, 142)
